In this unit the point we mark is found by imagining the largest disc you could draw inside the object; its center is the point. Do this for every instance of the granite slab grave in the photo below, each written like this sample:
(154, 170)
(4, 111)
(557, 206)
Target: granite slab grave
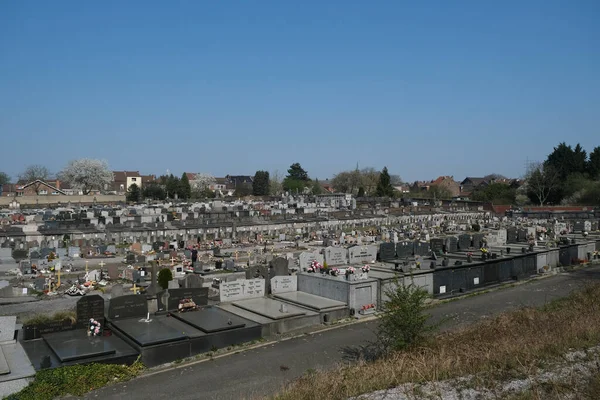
(387, 251)
(404, 249)
(362, 254)
(284, 284)
(312, 302)
(335, 256)
(241, 289)
(279, 267)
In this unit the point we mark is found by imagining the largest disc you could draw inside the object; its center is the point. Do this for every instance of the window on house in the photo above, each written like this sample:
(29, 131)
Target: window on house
(133, 179)
(43, 192)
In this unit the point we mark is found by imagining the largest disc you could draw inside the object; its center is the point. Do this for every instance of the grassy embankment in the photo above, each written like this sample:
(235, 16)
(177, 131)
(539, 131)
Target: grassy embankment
(511, 346)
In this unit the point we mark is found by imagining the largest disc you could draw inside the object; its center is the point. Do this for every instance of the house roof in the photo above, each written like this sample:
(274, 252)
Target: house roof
(221, 181)
(441, 179)
(54, 188)
(191, 176)
(474, 181)
(148, 178)
(121, 176)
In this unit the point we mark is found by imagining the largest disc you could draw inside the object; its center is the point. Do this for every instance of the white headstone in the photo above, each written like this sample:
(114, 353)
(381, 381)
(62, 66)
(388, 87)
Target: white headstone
(335, 256)
(307, 257)
(241, 289)
(362, 254)
(7, 329)
(284, 284)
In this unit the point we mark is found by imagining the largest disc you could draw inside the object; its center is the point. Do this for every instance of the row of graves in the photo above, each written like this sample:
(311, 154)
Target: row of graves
(456, 264)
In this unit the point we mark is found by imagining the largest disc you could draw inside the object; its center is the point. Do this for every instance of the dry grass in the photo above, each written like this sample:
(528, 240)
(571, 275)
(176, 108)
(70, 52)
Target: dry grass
(509, 346)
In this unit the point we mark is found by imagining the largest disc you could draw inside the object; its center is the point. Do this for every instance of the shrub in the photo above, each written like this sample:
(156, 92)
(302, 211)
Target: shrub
(46, 318)
(402, 320)
(164, 276)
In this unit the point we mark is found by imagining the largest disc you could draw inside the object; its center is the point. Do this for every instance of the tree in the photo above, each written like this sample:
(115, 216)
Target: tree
(87, 174)
(361, 192)
(34, 172)
(396, 180)
(384, 187)
(172, 186)
(402, 318)
(133, 193)
(164, 276)
(4, 178)
(593, 166)
(260, 183)
(541, 180)
(154, 191)
(275, 184)
(184, 190)
(496, 193)
(317, 188)
(352, 181)
(243, 190)
(438, 192)
(296, 180)
(201, 184)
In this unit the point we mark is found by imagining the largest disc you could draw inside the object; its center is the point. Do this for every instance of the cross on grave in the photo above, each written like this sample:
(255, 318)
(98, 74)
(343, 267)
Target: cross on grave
(86, 266)
(243, 285)
(102, 264)
(236, 256)
(58, 275)
(173, 259)
(135, 289)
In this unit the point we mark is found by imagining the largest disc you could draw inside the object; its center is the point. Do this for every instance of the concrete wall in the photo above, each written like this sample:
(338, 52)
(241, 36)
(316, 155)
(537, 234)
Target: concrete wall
(355, 294)
(48, 200)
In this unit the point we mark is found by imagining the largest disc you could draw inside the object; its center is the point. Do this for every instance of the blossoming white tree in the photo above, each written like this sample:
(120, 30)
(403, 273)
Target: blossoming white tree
(87, 174)
(202, 181)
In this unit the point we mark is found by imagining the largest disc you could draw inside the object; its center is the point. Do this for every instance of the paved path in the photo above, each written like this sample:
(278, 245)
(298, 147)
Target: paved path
(262, 371)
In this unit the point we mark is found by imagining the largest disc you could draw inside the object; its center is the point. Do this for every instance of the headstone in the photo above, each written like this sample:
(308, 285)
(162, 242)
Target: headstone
(284, 284)
(39, 284)
(199, 295)
(193, 281)
(335, 256)
(362, 254)
(421, 248)
(279, 267)
(387, 251)
(229, 265)
(241, 289)
(464, 242)
(113, 272)
(90, 306)
(306, 258)
(404, 249)
(173, 284)
(128, 306)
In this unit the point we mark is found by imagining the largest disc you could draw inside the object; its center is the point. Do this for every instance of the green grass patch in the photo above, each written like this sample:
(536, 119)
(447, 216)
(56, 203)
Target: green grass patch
(45, 318)
(75, 380)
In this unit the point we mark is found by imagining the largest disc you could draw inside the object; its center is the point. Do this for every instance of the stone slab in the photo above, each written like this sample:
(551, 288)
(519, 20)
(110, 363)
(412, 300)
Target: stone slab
(211, 320)
(148, 333)
(284, 284)
(269, 308)
(77, 345)
(18, 362)
(310, 300)
(4, 368)
(241, 289)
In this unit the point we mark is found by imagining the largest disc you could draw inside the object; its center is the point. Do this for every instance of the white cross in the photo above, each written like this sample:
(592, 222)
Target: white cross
(102, 264)
(173, 259)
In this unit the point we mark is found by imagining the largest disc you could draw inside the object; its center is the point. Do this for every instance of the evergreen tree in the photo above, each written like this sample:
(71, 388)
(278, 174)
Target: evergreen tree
(593, 166)
(133, 193)
(184, 190)
(260, 184)
(384, 186)
(172, 186)
(361, 192)
(317, 188)
(297, 179)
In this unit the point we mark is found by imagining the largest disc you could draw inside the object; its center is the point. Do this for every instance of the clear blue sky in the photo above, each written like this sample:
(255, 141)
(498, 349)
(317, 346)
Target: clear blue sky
(428, 88)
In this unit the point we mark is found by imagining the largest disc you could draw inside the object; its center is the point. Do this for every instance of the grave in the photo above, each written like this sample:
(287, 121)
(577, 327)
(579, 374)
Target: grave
(279, 266)
(15, 368)
(404, 249)
(362, 254)
(284, 284)
(329, 309)
(241, 289)
(422, 249)
(76, 346)
(306, 258)
(154, 337)
(464, 242)
(387, 251)
(335, 256)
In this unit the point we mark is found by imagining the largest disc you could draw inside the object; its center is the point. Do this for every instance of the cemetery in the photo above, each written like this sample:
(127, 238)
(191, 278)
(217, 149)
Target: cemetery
(230, 284)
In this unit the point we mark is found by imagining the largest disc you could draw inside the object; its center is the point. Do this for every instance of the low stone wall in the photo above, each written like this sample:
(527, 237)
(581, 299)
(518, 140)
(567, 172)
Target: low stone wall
(63, 200)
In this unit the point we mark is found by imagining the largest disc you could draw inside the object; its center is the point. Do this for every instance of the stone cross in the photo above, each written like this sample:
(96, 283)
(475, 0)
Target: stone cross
(102, 264)
(173, 259)
(135, 289)
(86, 267)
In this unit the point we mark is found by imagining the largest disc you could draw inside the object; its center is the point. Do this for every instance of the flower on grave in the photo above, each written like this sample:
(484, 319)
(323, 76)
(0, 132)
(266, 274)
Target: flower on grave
(469, 254)
(315, 266)
(350, 270)
(366, 268)
(94, 328)
(334, 271)
(483, 250)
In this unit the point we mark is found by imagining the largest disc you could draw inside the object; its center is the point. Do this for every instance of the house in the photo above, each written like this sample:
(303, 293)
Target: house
(469, 184)
(402, 188)
(327, 186)
(38, 188)
(238, 180)
(124, 179)
(447, 182)
(222, 186)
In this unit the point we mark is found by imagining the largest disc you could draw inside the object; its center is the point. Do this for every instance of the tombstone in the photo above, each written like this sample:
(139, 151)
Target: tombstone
(511, 235)
(437, 245)
(279, 267)
(153, 288)
(404, 249)
(445, 262)
(284, 284)
(7, 334)
(128, 306)
(93, 276)
(306, 259)
(173, 285)
(88, 307)
(193, 281)
(464, 242)
(116, 291)
(421, 248)
(362, 254)
(199, 295)
(241, 289)
(451, 244)
(113, 272)
(130, 258)
(39, 284)
(387, 251)
(335, 256)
